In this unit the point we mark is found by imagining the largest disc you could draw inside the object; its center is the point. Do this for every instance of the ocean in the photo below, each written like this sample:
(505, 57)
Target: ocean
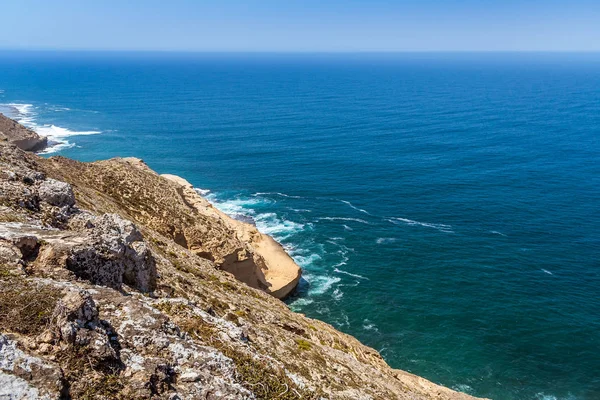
(444, 207)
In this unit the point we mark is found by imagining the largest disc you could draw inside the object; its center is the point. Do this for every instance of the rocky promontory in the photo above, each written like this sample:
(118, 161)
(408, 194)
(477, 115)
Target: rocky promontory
(22, 137)
(119, 283)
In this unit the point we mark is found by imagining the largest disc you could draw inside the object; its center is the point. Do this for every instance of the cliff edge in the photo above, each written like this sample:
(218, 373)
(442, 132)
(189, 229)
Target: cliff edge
(22, 137)
(114, 285)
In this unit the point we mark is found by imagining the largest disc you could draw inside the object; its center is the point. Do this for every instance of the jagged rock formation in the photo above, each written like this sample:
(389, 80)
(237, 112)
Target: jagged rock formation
(112, 286)
(22, 137)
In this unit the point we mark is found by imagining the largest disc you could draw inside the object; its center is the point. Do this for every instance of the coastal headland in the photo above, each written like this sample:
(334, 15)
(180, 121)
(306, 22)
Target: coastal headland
(117, 282)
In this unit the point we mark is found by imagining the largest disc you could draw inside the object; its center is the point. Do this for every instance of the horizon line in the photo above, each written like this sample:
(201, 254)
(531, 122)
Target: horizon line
(190, 51)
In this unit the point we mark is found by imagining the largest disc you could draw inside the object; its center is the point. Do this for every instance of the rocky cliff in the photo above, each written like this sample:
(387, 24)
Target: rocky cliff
(17, 134)
(118, 283)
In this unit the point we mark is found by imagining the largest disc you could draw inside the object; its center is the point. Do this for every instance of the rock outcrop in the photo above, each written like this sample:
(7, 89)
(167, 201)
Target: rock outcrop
(279, 274)
(22, 137)
(114, 285)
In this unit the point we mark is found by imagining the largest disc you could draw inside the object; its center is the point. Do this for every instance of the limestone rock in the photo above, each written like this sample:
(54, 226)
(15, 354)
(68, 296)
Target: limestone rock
(23, 376)
(113, 254)
(56, 193)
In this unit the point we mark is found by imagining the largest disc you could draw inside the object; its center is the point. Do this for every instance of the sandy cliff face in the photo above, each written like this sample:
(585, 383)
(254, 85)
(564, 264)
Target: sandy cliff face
(171, 207)
(113, 286)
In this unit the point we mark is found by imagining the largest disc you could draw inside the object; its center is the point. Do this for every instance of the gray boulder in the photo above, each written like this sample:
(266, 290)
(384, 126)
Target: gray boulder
(114, 253)
(56, 193)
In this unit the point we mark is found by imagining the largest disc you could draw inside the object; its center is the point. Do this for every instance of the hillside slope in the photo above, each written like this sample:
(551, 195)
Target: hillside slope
(113, 285)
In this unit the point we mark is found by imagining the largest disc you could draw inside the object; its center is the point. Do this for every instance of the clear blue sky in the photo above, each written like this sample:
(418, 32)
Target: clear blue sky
(308, 25)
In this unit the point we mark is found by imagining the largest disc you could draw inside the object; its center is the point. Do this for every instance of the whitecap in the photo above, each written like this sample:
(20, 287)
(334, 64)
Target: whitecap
(356, 208)
(385, 240)
(320, 284)
(346, 227)
(546, 271)
(268, 223)
(300, 302)
(463, 387)
(306, 261)
(362, 221)
(543, 396)
(369, 326)
(340, 271)
(233, 207)
(277, 194)
(440, 227)
(343, 322)
(337, 294)
(279, 228)
(498, 233)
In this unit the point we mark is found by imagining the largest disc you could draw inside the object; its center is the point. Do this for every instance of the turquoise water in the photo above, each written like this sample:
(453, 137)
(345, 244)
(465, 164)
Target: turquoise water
(445, 208)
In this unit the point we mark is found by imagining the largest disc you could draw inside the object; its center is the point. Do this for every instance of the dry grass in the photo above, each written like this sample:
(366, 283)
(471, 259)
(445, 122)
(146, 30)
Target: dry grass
(26, 307)
(254, 373)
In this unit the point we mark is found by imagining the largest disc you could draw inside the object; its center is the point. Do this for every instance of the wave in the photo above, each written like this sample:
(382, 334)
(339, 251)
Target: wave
(546, 271)
(300, 302)
(277, 194)
(268, 222)
(346, 227)
(498, 233)
(542, 396)
(369, 326)
(362, 221)
(463, 387)
(320, 284)
(356, 208)
(405, 221)
(340, 271)
(385, 240)
(337, 294)
(25, 115)
(306, 261)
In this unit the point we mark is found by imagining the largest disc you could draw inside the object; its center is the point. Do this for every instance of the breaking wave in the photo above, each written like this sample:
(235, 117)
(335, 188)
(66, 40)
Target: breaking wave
(57, 136)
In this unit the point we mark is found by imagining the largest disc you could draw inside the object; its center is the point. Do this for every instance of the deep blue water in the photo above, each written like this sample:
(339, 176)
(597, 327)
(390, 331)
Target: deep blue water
(445, 207)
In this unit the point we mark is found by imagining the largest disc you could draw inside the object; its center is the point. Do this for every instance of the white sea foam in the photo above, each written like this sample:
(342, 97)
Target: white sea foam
(279, 228)
(362, 221)
(355, 208)
(463, 387)
(337, 294)
(306, 261)
(343, 321)
(320, 284)
(202, 192)
(497, 233)
(300, 302)
(277, 194)
(346, 227)
(546, 271)
(369, 326)
(341, 271)
(543, 396)
(385, 240)
(25, 114)
(268, 222)
(405, 221)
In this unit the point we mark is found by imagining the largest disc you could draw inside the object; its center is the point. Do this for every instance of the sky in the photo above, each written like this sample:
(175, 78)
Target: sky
(301, 26)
